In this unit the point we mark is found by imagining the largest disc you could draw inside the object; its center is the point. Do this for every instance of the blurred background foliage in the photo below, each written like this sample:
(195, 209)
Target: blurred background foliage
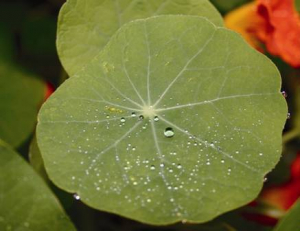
(27, 48)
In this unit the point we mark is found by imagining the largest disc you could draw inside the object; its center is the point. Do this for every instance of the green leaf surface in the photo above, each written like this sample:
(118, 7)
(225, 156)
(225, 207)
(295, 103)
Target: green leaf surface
(85, 26)
(36, 159)
(176, 119)
(26, 203)
(21, 94)
(290, 222)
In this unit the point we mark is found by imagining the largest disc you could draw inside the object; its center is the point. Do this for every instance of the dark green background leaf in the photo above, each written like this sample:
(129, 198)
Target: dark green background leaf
(225, 6)
(26, 203)
(21, 95)
(291, 221)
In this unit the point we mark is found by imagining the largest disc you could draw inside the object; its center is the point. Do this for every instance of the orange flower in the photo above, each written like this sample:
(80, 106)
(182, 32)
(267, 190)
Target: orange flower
(284, 196)
(244, 20)
(273, 22)
(48, 91)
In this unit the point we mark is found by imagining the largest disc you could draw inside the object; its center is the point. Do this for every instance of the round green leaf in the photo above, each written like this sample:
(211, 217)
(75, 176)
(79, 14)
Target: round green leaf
(21, 94)
(26, 202)
(176, 119)
(85, 26)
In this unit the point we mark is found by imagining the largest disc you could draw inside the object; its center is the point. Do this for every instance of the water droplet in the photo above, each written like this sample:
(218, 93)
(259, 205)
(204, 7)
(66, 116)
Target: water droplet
(284, 94)
(141, 117)
(172, 200)
(261, 154)
(228, 171)
(179, 166)
(76, 196)
(152, 167)
(265, 179)
(133, 114)
(222, 161)
(122, 120)
(148, 200)
(107, 116)
(288, 115)
(169, 132)
(156, 118)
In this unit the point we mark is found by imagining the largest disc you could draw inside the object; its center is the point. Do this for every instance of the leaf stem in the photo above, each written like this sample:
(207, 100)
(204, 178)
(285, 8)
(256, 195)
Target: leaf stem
(290, 135)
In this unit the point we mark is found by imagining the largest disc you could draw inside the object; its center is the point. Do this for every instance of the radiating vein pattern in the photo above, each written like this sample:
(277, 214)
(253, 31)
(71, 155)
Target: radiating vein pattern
(176, 119)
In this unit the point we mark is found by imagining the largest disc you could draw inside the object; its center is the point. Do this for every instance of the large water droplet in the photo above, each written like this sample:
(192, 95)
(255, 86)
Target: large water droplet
(122, 120)
(156, 118)
(141, 117)
(133, 114)
(169, 132)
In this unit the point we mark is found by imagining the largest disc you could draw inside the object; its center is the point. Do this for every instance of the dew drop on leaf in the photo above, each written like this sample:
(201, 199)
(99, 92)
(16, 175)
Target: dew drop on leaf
(122, 120)
(76, 196)
(169, 132)
(133, 114)
(156, 118)
(152, 167)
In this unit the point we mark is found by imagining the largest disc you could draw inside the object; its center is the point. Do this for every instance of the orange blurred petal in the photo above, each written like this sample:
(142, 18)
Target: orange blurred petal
(280, 30)
(245, 21)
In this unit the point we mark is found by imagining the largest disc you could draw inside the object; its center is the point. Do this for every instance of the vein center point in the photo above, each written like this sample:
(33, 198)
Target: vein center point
(149, 111)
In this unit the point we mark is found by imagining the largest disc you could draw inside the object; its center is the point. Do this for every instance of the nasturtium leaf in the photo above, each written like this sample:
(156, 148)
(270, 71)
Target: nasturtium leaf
(290, 222)
(21, 95)
(176, 119)
(85, 26)
(36, 159)
(26, 203)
